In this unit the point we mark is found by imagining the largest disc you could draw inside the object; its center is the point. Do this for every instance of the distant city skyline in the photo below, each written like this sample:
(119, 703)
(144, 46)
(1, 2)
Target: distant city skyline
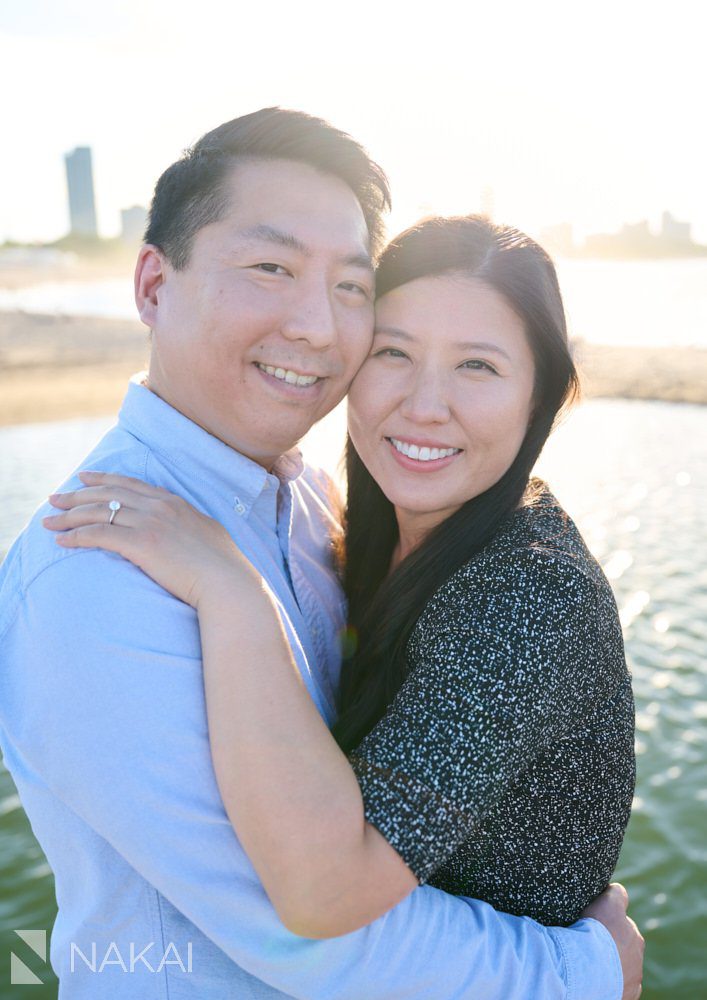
(632, 240)
(561, 117)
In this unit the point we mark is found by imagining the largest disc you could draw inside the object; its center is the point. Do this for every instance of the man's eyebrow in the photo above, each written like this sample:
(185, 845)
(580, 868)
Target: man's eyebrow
(362, 260)
(467, 345)
(270, 234)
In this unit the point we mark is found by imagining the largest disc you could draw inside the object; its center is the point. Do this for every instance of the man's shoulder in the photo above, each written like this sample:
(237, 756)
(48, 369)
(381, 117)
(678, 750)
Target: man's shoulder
(35, 550)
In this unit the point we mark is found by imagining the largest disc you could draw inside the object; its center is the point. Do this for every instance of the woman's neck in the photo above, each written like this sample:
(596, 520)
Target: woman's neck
(413, 529)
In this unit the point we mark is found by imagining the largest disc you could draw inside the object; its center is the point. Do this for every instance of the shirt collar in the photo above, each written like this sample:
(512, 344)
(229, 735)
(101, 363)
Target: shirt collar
(183, 443)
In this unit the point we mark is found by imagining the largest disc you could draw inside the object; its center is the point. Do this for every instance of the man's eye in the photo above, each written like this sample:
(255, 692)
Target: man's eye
(352, 286)
(477, 365)
(271, 268)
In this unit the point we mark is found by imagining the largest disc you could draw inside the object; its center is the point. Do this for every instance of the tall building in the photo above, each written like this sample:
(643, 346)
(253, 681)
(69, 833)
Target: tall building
(132, 224)
(82, 204)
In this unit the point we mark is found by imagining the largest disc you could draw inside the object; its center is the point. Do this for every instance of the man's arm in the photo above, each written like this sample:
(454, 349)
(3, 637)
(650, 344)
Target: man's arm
(119, 734)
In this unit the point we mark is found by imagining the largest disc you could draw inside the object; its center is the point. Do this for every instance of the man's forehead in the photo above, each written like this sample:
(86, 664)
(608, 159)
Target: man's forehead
(291, 203)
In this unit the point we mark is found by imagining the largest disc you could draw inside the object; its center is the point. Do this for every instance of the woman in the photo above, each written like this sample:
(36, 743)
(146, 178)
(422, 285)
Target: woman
(486, 708)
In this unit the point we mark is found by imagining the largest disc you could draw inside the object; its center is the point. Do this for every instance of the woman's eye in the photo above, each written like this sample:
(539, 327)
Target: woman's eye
(352, 286)
(389, 352)
(476, 365)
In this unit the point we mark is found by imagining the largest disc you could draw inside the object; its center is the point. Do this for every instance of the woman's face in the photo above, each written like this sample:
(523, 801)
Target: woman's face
(442, 403)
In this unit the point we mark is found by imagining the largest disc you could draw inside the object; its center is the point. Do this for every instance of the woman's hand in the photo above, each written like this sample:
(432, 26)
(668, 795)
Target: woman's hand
(184, 551)
(289, 792)
(610, 909)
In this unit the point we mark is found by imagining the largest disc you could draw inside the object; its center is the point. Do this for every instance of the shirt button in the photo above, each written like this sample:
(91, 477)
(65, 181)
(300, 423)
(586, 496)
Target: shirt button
(239, 508)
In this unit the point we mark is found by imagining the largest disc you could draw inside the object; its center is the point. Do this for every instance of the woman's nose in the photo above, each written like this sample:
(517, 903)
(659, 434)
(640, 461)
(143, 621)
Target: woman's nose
(426, 401)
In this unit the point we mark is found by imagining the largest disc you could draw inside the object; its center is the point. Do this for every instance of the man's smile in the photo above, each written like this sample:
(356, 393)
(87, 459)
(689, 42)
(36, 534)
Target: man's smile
(288, 375)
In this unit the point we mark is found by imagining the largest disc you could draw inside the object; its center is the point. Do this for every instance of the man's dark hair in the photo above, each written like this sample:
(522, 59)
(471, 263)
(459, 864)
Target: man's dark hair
(192, 193)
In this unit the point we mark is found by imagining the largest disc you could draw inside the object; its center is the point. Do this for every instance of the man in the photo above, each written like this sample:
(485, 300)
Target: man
(256, 281)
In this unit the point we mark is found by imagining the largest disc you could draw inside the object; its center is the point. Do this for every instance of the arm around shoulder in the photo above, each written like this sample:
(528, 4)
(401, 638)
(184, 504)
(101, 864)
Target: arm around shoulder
(107, 709)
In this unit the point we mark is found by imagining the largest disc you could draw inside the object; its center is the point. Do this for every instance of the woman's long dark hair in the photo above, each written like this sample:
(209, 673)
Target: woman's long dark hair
(383, 609)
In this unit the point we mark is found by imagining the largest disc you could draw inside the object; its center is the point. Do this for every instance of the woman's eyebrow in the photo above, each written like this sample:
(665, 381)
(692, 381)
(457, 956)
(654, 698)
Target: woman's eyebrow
(467, 345)
(392, 331)
(482, 345)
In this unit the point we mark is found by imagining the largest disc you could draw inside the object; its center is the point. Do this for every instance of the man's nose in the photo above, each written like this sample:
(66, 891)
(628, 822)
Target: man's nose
(426, 401)
(312, 319)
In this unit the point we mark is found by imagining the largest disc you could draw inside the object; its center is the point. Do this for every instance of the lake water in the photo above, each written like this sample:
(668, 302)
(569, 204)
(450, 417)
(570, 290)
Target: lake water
(634, 476)
(654, 302)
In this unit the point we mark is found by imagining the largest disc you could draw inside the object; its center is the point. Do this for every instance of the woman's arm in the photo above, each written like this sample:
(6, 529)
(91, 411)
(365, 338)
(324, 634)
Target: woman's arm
(289, 791)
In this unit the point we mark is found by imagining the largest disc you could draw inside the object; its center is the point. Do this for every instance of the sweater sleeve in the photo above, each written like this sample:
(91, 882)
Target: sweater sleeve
(501, 660)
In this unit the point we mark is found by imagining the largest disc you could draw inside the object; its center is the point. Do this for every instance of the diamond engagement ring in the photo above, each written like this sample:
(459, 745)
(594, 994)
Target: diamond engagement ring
(114, 506)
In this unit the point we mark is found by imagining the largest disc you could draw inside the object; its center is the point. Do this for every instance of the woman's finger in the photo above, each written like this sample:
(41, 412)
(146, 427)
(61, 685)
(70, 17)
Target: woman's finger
(99, 494)
(114, 479)
(92, 513)
(111, 537)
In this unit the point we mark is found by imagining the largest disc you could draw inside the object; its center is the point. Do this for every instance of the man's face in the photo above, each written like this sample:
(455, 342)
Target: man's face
(262, 332)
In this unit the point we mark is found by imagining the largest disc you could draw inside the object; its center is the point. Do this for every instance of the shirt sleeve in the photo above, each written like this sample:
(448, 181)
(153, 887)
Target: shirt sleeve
(501, 660)
(110, 715)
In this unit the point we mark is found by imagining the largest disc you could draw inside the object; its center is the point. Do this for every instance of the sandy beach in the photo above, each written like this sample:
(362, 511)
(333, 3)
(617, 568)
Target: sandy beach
(58, 367)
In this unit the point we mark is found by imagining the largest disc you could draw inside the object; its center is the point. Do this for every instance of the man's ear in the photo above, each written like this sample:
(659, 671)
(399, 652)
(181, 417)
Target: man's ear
(150, 274)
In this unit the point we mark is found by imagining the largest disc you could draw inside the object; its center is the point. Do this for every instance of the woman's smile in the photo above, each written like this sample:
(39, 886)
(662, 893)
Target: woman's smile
(442, 404)
(422, 456)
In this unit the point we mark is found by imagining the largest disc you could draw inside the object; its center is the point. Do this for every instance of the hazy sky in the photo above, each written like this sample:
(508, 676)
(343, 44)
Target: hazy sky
(589, 112)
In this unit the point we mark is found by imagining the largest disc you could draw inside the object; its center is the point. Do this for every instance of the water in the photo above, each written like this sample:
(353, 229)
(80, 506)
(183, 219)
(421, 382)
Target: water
(634, 476)
(112, 297)
(654, 302)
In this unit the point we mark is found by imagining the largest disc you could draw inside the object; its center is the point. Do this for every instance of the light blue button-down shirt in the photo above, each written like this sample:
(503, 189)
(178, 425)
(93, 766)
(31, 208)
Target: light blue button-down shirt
(103, 728)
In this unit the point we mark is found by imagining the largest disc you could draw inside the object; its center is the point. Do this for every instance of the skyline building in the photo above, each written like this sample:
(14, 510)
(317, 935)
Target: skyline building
(82, 202)
(132, 224)
(674, 231)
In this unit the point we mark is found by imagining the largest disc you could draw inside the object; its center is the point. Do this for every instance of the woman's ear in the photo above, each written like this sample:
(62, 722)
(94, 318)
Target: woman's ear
(150, 274)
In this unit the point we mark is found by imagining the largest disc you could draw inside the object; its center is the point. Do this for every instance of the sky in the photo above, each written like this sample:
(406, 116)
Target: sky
(547, 111)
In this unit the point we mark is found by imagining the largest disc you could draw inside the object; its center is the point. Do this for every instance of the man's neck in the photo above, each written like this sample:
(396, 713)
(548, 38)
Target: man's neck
(268, 462)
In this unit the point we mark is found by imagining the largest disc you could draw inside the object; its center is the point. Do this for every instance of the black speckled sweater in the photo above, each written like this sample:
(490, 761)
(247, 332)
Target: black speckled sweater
(504, 769)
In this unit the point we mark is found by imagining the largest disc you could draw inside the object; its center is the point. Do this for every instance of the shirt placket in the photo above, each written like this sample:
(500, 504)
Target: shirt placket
(306, 599)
